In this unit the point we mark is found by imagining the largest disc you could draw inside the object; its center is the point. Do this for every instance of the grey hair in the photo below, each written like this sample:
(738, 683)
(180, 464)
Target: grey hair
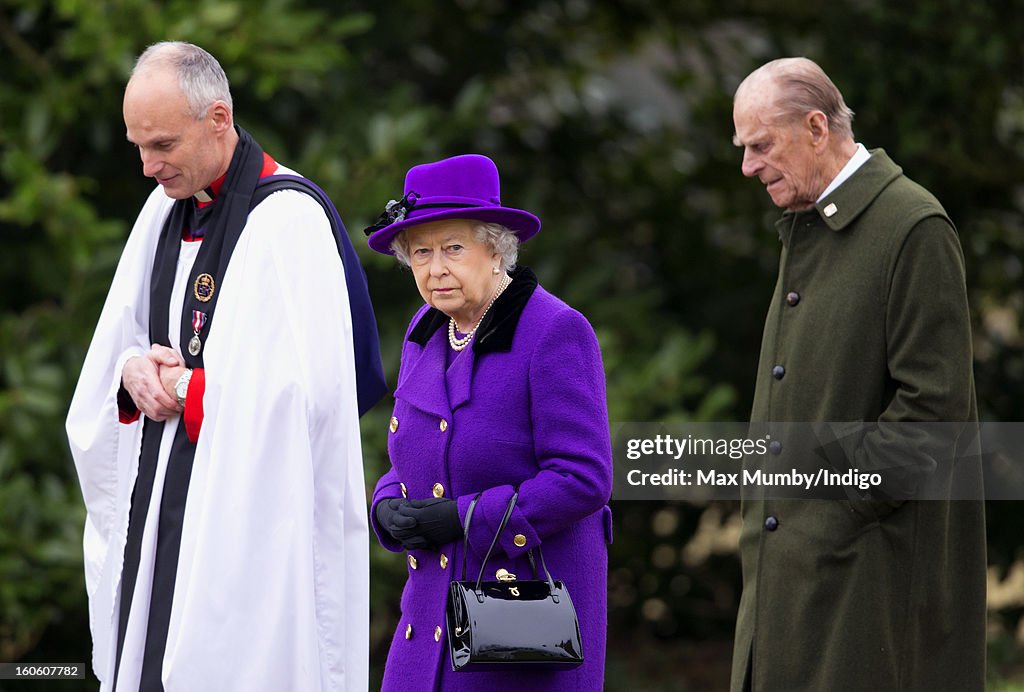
(200, 76)
(497, 238)
(803, 87)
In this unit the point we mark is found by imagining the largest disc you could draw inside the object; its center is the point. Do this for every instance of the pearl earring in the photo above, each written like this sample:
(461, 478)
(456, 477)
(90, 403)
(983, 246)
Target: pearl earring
(495, 270)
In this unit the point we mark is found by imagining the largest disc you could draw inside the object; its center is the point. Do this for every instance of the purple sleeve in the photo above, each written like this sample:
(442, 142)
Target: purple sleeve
(569, 418)
(387, 487)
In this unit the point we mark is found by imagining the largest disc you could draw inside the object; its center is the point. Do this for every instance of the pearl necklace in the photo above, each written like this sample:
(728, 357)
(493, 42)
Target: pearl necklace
(460, 344)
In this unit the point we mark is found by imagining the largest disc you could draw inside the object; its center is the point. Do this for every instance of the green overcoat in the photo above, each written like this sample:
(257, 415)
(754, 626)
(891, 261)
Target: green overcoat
(869, 322)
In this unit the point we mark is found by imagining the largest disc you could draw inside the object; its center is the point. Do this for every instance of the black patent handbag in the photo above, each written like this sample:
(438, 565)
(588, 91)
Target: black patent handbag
(507, 624)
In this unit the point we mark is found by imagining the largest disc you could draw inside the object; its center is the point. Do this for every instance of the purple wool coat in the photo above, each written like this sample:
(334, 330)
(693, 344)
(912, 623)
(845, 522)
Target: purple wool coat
(523, 407)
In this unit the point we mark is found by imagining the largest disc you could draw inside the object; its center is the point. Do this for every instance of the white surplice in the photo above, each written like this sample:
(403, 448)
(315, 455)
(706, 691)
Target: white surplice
(272, 583)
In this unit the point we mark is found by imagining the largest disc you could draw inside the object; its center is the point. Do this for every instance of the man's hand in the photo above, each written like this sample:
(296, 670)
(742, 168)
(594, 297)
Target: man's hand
(150, 381)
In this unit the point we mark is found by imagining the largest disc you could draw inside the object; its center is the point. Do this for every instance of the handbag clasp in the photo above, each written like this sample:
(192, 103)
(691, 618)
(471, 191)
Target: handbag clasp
(504, 575)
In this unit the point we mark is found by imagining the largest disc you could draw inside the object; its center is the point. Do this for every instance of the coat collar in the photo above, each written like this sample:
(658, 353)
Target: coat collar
(844, 204)
(499, 324)
(423, 386)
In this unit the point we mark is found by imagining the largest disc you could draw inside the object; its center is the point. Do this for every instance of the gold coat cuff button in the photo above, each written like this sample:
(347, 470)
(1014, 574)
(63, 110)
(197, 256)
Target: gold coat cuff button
(519, 540)
(438, 490)
(444, 561)
(412, 562)
(405, 491)
(443, 425)
(394, 425)
(437, 633)
(408, 631)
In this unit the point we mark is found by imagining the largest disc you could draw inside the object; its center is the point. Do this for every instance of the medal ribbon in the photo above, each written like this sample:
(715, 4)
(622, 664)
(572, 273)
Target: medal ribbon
(195, 344)
(198, 321)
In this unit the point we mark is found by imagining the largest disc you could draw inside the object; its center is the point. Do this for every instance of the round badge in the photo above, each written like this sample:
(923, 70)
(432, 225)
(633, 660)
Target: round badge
(204, 287)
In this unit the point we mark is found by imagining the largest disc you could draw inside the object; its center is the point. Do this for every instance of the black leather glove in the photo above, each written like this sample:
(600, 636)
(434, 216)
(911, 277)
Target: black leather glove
(436, 520)
(402, 528)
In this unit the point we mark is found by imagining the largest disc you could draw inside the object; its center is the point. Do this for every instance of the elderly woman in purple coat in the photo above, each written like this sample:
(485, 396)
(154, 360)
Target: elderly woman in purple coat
(500, 388)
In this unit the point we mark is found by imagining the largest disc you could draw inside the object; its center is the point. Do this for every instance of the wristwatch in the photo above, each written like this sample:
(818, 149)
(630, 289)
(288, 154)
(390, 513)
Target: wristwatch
(181, 387)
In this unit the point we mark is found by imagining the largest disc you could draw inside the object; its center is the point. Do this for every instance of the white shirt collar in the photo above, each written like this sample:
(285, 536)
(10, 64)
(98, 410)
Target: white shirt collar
(858, 159)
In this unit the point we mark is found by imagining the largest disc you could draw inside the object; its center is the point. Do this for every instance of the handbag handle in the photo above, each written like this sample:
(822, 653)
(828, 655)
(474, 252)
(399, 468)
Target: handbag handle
(494, 542)
(465, 532)
(497, 534)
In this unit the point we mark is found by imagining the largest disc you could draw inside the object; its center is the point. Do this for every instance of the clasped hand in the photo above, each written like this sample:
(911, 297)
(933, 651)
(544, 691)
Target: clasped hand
(150, 380)
(420, 524)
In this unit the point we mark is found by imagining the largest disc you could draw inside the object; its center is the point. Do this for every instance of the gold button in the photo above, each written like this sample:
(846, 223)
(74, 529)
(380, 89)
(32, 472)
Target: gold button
(444, 561)
(437, 633)
(519, 540)
(412, 562)
(405, 491)
(443, 425)
(394, 425)
(438, 490)
(408, 631)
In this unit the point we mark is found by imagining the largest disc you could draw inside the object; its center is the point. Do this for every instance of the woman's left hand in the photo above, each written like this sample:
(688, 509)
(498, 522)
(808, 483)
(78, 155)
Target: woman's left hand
(437, 520)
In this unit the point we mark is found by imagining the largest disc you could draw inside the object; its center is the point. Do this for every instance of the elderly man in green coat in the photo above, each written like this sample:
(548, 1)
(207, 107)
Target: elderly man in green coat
(869, 322)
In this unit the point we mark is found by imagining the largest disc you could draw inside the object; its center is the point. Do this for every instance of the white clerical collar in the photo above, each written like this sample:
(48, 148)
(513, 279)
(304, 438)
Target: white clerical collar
(858, 159)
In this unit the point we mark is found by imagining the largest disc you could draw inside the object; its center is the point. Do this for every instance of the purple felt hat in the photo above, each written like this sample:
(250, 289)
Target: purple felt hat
(462, 187)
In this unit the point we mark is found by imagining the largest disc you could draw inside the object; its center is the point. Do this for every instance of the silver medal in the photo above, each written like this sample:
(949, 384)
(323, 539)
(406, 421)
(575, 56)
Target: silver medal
(195, 345)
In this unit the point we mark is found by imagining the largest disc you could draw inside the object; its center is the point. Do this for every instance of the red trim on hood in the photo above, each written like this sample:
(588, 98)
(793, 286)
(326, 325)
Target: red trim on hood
(269, 166)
